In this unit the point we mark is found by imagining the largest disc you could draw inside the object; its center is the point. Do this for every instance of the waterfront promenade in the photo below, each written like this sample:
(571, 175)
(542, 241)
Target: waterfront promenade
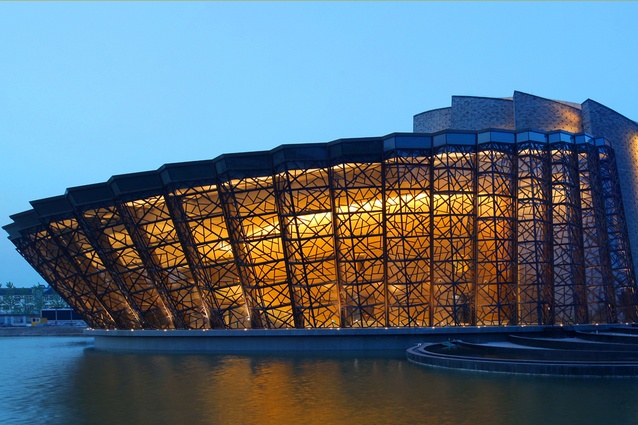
(42, 331)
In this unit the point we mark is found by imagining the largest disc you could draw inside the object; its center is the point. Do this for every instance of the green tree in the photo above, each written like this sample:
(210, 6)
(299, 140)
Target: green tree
(55, 301)
(39, 301)
(24, 305)
(11, 300)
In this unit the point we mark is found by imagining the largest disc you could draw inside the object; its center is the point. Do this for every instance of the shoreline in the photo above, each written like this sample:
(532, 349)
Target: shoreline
(42, 331)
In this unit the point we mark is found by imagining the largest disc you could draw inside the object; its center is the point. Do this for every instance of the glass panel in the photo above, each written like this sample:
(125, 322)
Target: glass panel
(256, 234)
(453, 221)
(495, 286)
(407, 208)
(534, 291)
(358, 198)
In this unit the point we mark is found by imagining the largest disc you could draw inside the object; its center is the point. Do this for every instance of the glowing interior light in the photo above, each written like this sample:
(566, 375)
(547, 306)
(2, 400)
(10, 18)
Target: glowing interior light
(289, 253)
(224, 246)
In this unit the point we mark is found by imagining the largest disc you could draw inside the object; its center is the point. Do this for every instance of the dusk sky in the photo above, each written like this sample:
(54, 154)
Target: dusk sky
(90, 90)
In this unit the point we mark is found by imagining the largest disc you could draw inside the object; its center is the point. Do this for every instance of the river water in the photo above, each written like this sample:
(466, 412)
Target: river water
(64, 380)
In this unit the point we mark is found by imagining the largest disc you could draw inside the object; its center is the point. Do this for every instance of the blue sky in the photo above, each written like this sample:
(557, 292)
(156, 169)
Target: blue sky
(89, 90)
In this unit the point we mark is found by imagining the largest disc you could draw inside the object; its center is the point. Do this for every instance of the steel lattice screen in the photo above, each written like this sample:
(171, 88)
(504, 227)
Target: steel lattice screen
(454, 229)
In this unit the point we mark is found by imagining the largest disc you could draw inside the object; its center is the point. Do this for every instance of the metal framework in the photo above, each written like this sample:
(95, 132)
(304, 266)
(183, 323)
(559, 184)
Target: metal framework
(450, 229)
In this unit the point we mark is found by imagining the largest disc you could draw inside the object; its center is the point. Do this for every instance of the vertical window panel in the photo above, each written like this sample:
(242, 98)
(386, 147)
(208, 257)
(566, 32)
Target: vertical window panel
(358, 198)
(256, 233)
(623, 277)
(568, 268)
(213, 262)
(158, 243)
(453, 243)
(407, 212)
(495, 287)
(534, 283)
(598, 276)
(306, 210)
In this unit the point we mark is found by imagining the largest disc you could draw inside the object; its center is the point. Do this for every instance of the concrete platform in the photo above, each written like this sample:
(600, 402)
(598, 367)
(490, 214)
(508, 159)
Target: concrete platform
(568, 355)
(228, 341)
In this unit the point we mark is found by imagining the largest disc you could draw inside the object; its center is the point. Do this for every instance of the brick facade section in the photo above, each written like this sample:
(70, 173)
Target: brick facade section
(601, 121)
(522, 112)
(478, 113)
(433, 121)
(533, 112)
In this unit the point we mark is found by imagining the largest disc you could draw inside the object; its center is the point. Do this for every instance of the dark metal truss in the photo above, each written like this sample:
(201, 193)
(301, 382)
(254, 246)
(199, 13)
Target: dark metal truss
(454, 229)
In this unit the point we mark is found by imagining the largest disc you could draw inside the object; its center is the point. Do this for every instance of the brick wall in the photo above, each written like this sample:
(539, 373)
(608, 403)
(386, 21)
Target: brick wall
(433, 121)
(533, 112)
(478, 113)
(523, 111)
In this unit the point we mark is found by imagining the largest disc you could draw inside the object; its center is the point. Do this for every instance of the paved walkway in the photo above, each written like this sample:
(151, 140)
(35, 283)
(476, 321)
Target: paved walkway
(42, 331)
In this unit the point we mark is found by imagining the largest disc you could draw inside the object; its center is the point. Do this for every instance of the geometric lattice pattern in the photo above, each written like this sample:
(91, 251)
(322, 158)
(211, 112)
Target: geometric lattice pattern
(452, 229)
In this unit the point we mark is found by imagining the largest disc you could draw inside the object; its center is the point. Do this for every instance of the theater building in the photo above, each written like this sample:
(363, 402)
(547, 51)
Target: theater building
(493, 212)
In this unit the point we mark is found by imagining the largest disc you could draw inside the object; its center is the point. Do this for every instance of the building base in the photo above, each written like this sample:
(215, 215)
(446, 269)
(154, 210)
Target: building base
(278, 340)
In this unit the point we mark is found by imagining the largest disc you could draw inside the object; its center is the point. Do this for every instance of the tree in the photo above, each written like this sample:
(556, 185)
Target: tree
(55, 301)
(24, 305)
(11, 300)
(39, 300)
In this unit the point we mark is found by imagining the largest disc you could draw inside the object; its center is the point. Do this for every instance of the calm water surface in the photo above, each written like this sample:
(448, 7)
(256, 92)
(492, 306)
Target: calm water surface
(54, 380)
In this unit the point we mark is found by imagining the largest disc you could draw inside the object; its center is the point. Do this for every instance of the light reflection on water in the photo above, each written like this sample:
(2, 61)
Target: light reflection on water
(65, 381)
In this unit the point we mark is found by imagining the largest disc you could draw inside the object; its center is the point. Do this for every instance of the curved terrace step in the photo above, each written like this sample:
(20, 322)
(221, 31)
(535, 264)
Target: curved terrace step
(570, 343)
(613, 336)
(527, 355)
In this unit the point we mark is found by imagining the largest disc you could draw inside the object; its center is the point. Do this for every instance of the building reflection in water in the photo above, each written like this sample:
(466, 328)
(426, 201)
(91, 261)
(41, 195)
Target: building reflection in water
(325, 389)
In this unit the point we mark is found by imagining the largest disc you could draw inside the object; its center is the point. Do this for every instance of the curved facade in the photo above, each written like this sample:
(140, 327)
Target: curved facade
(448, 228)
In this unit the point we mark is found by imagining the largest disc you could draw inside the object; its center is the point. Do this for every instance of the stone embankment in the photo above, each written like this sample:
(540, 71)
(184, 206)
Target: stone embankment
(41, 331)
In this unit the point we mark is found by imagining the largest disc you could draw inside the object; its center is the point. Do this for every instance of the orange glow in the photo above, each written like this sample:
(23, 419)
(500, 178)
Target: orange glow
(458, 238)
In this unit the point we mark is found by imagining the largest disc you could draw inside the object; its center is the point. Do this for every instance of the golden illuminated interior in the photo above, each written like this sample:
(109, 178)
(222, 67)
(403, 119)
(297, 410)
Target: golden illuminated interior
(450, 235)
